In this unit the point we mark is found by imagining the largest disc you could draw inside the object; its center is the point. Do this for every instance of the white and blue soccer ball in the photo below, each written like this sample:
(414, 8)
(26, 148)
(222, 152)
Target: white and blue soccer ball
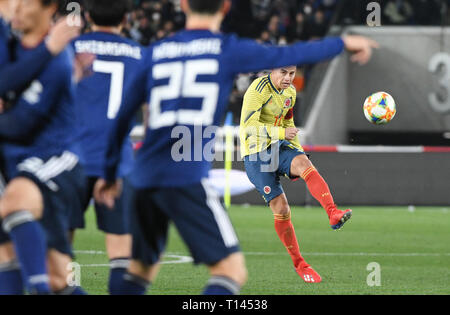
(379, 108)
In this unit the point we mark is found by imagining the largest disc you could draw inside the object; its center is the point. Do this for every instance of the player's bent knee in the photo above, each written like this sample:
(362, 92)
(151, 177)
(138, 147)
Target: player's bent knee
(232, 267)
(21, 194)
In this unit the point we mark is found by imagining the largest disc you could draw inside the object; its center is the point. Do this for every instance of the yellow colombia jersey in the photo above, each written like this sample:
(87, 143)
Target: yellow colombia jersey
(266, 113)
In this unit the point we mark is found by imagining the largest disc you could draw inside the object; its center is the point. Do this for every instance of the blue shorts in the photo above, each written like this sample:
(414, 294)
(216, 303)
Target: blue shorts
(112, 221)
(61, 181)
(198, 216)
(264, 168)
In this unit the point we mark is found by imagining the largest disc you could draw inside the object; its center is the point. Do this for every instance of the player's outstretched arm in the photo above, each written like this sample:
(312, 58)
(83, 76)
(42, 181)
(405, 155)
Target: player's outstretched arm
(16, 75)
(249, 56)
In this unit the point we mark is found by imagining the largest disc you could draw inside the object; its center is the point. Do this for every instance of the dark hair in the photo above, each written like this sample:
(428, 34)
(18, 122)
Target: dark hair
(107, 12)
(205, 6)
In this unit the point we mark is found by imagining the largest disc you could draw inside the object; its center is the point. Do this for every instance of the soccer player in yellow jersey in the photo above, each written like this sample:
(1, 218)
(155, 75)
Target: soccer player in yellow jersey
(270, 148)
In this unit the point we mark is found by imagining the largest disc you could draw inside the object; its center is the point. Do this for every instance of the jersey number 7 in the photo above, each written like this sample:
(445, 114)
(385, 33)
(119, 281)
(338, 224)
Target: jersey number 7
(116, 69)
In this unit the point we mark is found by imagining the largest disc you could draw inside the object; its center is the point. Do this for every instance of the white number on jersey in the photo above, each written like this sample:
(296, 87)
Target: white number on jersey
(116, 69)
(182, 84)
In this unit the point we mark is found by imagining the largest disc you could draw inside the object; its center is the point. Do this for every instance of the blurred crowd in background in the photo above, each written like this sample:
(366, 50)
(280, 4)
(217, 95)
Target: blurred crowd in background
(282, 21)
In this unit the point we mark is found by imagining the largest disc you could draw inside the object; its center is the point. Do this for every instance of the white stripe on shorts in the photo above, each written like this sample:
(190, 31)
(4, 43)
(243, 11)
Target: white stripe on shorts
(51, 169)
(223, 221)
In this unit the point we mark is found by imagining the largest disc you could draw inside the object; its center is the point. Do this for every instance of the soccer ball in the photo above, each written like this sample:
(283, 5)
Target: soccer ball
(379, 108)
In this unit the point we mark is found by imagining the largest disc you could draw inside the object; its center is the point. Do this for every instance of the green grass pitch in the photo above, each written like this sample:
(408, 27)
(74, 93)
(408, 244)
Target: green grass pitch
(411, 247)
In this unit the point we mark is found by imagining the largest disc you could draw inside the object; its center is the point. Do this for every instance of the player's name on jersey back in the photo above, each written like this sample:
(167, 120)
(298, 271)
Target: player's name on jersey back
(203, 46)
(107, 48)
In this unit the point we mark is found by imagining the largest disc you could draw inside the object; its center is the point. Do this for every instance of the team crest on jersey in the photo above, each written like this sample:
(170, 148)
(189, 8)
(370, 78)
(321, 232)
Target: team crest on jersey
(267, 190)
(287, 103)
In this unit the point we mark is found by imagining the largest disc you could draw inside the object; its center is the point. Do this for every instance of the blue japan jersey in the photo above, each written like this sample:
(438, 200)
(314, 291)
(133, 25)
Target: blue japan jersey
(43, 115)
(186, 79)
(99, 96)
(4, 35)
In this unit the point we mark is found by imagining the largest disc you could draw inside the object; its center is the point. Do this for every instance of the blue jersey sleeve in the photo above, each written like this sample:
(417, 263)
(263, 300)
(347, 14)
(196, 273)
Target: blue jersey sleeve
(34, 107)
(16, 75)
(133, 97)
(249, 56)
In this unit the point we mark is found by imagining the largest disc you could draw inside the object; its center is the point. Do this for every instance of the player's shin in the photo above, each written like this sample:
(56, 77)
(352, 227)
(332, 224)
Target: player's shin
(286, 233)
(30, 246)
(319, 189)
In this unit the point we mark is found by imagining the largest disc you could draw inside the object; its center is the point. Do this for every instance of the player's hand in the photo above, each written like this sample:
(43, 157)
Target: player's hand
(61, 34)
(106, 193)
(2, 106)
(291, 133)
(361, 48)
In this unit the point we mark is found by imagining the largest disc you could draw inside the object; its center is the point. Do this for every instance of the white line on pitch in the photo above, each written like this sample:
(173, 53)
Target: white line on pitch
(178, 260)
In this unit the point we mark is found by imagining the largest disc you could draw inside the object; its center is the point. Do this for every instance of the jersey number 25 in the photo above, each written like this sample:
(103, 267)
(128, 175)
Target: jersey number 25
(182, 84)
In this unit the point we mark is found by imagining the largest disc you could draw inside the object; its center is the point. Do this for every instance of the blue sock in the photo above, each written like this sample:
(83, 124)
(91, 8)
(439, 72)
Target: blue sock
(31, 250)
(75, 290)
(10, 279)
(132, 285)
(118, 269)
(221, 285)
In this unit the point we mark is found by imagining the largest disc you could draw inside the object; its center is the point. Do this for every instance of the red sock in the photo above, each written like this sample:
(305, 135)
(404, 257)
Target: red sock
(319, 189)
(286, 233)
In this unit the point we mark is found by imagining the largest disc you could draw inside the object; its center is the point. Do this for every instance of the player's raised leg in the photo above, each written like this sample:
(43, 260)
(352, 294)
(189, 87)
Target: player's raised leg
(301, 166)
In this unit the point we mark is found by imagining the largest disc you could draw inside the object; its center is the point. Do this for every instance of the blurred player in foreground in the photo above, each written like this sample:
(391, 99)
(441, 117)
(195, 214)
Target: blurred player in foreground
(97, 101)
(14, 74)
(187, 79)
(36, 134)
